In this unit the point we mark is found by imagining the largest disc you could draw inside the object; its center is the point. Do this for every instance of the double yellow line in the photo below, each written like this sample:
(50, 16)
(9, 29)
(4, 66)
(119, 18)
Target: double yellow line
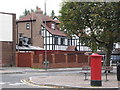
(29, 83)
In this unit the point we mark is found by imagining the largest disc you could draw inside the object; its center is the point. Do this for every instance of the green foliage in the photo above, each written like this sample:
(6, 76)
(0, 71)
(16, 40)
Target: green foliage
(52, 13)
(32, 10)
(26, 12)
(97, 23)
(35, 68)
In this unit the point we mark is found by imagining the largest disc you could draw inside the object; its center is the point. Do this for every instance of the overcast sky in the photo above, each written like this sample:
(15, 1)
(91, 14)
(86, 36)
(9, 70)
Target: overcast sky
(18, 6)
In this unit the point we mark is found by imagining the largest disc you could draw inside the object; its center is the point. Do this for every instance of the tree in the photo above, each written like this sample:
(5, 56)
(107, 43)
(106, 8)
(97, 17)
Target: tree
(32, 10)
(97, 24)
(52, 13)
(36, 8)
(26, 12)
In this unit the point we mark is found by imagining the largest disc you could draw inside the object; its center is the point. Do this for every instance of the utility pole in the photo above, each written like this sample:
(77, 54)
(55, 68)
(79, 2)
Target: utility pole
(31, 32)
(45, 62)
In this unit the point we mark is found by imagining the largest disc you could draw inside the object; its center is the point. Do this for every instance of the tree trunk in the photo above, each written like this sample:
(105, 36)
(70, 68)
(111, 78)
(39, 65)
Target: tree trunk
(108, 57)
(108, 54)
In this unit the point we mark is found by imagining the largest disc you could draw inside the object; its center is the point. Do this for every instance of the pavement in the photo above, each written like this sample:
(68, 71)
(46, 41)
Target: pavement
(71, 81)
(8, 70)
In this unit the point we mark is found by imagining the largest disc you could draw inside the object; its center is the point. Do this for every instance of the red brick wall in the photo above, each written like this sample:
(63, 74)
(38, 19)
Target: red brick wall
(24, 59)
(82, 59)
(71, 58)
(36, 58)
(56, 60)
(62, 59)
(40, 64)
(7, 53)
(50, 58)
(58, 52)
(59, 58)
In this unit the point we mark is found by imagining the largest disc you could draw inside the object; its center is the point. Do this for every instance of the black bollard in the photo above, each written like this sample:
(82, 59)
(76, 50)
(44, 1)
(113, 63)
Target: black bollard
(118, 72)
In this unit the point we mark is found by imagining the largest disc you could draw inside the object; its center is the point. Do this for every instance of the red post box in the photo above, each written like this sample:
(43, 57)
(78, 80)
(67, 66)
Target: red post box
(96, 65)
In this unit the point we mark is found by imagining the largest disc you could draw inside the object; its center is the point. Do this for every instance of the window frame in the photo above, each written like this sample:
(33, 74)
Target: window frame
(56, 40)
(53, 26)
(27, 26)
(62, 40)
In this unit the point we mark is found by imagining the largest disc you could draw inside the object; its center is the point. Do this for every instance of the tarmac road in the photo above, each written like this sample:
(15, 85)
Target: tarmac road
(18, 80)
(13, 78)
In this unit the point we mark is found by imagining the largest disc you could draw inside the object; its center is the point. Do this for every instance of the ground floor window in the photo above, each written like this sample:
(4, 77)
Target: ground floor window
(62, 41)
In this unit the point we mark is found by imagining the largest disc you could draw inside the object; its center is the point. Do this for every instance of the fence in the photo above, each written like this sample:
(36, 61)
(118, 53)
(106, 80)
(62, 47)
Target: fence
(56, 58)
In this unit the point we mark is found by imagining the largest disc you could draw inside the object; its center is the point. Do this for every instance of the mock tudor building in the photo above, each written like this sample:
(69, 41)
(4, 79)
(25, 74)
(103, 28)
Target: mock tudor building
(37, 29)
(7, 39)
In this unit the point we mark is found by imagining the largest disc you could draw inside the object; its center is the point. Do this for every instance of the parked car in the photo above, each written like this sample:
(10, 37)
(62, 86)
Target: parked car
(115, 59)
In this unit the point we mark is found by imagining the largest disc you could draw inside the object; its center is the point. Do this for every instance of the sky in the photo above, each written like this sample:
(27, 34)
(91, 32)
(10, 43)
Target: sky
(18, 6)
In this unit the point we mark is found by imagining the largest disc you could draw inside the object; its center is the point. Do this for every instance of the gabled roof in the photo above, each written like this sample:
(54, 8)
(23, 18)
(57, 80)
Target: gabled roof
(57, 21)
(55, 32)
(31, 16)
(47, 18)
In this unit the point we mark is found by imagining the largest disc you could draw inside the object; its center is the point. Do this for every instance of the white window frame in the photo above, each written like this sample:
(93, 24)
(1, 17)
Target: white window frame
(53, 26)
(28, 26)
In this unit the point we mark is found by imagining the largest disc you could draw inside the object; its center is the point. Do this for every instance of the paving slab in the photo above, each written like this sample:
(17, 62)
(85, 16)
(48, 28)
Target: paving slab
(74, 81)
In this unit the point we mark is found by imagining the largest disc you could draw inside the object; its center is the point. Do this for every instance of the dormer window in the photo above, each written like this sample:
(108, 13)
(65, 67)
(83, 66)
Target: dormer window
(53, 26)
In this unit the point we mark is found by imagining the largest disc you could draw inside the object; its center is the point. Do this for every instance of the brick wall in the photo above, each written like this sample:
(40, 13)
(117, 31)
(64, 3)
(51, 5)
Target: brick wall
(64, 60)
(24, 59)
(61, 59)
(7, 54)
(34, 32)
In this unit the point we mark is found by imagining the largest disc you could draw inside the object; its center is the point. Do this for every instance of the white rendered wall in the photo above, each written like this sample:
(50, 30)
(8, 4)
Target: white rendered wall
(6, 27)
(117, 45)
(62, 47)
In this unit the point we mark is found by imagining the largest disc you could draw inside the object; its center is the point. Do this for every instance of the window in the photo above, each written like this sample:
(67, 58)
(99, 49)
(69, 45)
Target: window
(62, 41)
(56, 40)
(53, 26)
(27, 26)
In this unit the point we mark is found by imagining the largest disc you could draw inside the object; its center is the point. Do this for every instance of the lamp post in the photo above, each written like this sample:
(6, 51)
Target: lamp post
(45, 62)
(31, 30)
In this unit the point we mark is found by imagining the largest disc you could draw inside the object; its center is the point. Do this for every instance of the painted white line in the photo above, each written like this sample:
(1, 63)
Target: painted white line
(31, 84)
(15, 84)
(2, 83)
